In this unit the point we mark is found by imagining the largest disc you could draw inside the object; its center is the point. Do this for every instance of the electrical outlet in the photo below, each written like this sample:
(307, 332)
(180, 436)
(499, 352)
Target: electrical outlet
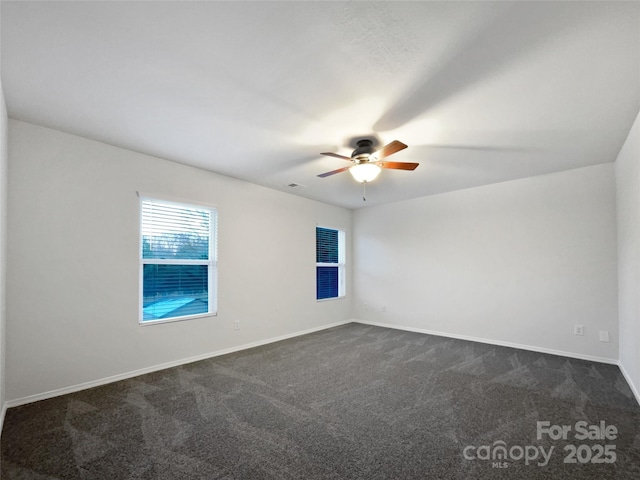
(383, 309)
(366, 306)
(236, 325)
(578, 329)
(604, 336)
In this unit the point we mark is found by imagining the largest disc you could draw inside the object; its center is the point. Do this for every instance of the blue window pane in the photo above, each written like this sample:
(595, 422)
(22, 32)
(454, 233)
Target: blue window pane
(326, 245)
(326, 282)
(171, 291)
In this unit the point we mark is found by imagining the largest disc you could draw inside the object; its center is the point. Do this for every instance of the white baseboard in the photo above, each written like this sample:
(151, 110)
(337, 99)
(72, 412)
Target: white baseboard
(627, 377)
(154, 368)
(532, 348)
(3, 412)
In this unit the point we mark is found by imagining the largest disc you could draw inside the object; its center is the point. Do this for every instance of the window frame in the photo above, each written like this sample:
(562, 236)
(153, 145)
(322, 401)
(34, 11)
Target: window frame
(341, 264)
(211, 262)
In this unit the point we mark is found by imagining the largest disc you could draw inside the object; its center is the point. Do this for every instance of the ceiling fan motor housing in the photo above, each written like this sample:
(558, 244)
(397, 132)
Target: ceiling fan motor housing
(362, 152)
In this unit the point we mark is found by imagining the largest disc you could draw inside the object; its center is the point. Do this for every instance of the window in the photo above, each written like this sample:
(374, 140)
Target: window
(178, 270)
(330, 265)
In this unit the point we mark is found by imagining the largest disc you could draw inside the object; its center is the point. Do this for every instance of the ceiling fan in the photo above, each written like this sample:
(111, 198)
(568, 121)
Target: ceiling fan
(367, 162)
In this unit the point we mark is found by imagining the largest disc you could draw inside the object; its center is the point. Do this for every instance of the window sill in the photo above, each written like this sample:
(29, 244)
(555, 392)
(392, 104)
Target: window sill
(145, 323)
(330, 299)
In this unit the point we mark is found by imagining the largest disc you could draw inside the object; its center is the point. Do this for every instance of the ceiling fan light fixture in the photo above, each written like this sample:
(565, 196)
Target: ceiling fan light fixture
(365, 172)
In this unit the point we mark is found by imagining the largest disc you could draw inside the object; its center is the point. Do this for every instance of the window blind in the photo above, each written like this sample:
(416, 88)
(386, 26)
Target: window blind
(175, 231)
(326, 282)
(326, 245)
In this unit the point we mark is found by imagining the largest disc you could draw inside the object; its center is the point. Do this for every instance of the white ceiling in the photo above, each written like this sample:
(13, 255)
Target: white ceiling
(481, 92)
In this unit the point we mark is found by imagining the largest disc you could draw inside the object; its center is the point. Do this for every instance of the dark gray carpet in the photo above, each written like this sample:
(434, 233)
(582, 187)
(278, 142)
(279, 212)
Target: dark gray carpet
(352, 402)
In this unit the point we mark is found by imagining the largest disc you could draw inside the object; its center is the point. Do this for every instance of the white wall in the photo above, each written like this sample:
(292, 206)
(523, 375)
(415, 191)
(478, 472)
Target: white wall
(518, 263)
(73, 262)
(3, 246)
(628, 202)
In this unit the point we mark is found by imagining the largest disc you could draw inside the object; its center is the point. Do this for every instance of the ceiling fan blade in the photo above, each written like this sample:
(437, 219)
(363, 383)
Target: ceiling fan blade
(387, 150)
(330, 154)
(333, 172)
(398, 165)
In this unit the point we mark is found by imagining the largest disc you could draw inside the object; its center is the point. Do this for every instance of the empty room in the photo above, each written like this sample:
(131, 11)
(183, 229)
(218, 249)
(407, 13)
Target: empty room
(319, 240)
